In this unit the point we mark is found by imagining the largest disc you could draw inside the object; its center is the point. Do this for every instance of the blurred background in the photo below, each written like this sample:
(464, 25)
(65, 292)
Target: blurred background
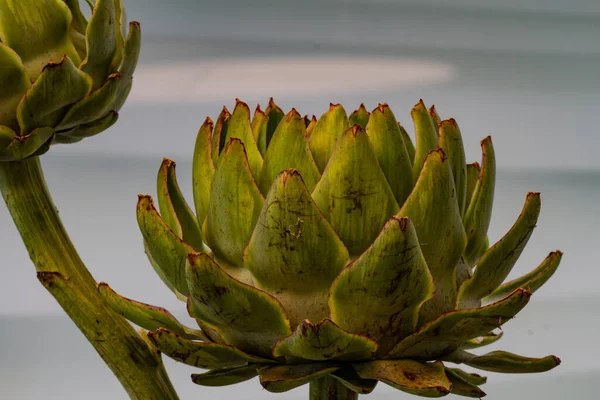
(525, 72)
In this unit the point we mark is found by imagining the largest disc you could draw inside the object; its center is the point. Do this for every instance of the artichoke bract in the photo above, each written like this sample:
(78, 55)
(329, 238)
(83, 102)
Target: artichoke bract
(62, 78)
(336, 247)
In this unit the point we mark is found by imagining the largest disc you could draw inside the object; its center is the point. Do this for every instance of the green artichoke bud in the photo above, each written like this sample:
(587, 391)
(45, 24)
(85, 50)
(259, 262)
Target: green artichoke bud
(62, 78)
(336, 247)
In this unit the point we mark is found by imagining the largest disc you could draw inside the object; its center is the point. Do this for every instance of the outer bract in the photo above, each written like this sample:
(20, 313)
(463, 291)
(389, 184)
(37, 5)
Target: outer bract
(62, 77)
(336, 247)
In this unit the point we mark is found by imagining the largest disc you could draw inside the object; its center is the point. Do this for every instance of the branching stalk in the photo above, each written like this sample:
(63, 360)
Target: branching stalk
(63, 274)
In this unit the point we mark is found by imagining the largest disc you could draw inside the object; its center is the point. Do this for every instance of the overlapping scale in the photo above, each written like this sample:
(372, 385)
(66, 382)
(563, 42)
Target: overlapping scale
(240, 128)
(381, 292)
(294, 252)
(63, 78)
(450, 140)
(478, 214)
(426, 136)
(38, 32)
(433, 208)
(235, 204)
(497, 262)
(390, 149)
(353, 192)
(324, 137)
(167, 249)
(174, 209)
(364, 278)
(203, 170)
(247, 318)
(449, 331)
(288, 148)
(324, 341)
(58, 86)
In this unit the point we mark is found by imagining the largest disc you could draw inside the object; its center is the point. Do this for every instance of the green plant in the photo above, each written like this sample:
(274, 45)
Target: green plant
(335, 252)
(64, 78)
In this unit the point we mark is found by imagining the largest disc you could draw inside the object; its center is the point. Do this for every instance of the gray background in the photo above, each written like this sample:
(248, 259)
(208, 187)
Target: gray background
(525, 73)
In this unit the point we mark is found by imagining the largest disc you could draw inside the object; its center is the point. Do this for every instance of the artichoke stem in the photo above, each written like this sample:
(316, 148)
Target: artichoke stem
(61, 270)
(329, 388)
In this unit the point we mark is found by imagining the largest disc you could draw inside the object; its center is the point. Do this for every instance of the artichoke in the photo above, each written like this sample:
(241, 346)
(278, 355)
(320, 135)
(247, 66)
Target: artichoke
(62, 77)
(336, 248)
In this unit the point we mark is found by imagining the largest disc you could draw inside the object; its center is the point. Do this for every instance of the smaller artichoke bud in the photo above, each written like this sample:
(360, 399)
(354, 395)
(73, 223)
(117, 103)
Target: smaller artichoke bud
(62, 77)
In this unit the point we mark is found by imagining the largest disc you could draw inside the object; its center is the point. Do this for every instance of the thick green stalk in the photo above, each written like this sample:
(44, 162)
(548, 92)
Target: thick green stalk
(329, 388)
(61, 271)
